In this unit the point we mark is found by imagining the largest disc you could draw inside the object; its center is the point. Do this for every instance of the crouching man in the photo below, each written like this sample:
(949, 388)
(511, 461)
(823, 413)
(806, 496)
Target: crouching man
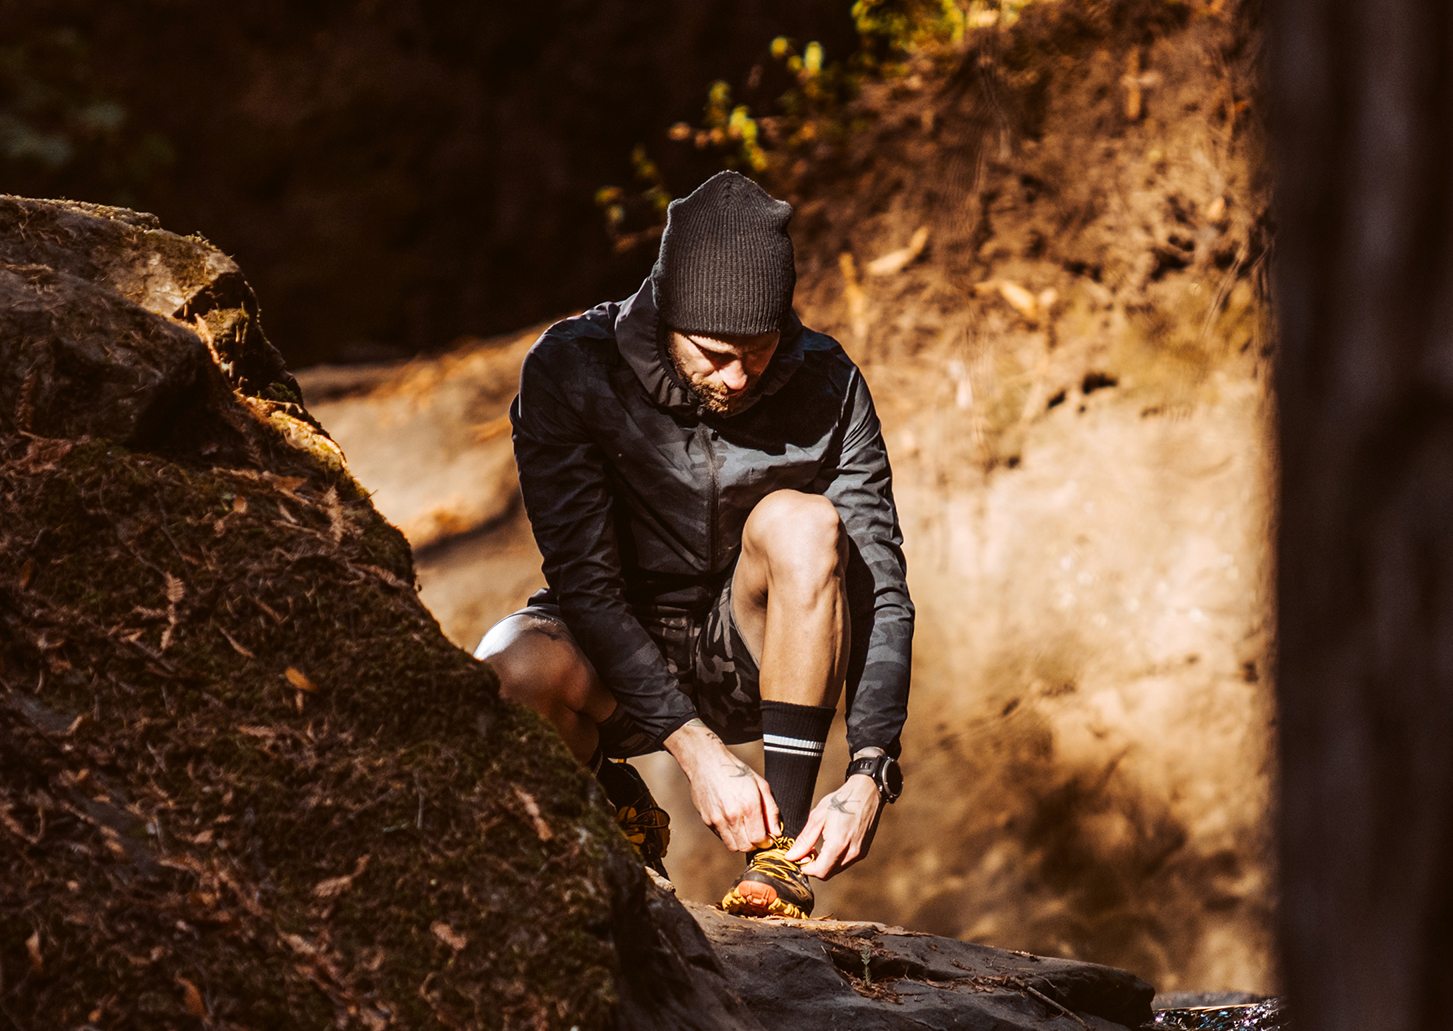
(707, 482)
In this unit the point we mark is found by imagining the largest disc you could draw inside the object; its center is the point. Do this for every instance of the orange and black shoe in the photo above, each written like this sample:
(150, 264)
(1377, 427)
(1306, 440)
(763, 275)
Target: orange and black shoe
(644, 823)
(771, 885)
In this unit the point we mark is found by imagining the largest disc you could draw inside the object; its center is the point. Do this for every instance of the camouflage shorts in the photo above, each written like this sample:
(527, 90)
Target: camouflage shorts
(711, 664)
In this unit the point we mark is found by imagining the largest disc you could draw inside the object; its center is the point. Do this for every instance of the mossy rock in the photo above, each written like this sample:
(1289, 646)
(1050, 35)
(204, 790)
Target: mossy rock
(245, 779)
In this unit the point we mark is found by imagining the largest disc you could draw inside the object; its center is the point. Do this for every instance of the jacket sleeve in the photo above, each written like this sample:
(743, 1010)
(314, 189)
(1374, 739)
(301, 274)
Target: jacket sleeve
(563, 482)
(861, 488)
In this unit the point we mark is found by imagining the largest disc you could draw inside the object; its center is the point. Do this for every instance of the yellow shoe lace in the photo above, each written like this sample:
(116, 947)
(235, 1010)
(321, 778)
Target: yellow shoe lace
(773, 859)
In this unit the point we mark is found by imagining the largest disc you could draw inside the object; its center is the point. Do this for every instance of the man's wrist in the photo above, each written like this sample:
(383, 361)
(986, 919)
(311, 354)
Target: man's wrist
(691, 742)
(880, 769)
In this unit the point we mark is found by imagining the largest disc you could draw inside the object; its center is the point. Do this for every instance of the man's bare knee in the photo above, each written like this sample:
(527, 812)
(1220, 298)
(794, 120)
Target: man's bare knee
(537, 665)
(800, 535)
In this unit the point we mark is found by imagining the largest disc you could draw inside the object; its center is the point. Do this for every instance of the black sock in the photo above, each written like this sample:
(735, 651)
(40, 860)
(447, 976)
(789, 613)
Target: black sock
(792, 742)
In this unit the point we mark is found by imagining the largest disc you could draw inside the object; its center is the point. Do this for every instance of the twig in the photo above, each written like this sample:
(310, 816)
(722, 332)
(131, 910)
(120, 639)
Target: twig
(1054, 1003)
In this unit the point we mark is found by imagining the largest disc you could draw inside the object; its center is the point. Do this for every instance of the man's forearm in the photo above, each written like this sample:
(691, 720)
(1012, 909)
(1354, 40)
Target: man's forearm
(693, 744)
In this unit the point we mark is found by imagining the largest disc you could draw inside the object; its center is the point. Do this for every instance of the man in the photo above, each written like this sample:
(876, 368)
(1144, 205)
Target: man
(707, 482)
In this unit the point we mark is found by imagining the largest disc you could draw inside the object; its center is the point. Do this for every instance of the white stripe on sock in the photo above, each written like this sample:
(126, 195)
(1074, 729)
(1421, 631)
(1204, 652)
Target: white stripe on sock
(792, 742)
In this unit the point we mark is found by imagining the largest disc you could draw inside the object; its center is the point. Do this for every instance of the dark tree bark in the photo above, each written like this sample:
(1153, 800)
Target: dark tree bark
(1363, 128)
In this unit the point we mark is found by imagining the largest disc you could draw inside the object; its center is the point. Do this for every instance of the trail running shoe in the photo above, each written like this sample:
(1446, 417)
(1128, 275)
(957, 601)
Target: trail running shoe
(771, 885)
(644, 823)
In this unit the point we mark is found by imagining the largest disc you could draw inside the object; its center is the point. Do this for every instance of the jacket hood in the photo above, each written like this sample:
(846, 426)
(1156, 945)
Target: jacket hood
(642, 340)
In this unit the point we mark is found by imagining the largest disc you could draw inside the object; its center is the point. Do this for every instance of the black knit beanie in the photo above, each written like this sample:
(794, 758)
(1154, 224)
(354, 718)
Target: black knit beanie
(725, 265)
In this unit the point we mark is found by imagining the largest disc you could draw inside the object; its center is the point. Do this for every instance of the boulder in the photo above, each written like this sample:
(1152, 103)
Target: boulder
(837, 973)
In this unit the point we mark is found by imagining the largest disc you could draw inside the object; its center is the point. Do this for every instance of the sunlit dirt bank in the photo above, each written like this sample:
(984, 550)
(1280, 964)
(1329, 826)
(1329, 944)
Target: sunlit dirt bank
(1047, 253)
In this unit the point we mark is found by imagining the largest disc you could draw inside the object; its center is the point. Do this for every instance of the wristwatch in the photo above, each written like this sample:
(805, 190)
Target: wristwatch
(884, 770)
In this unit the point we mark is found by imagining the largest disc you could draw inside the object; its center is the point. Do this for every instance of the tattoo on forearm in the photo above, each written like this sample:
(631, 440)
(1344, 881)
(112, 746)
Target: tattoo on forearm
(838, 805)
(695, 723)
(737, 769)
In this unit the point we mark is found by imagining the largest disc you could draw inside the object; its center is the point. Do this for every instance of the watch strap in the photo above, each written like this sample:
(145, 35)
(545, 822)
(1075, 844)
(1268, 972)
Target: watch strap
(872, 766)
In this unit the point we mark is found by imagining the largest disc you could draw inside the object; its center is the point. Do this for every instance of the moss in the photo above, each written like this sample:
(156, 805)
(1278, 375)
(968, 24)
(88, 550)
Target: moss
(245, 774)
(164, 606)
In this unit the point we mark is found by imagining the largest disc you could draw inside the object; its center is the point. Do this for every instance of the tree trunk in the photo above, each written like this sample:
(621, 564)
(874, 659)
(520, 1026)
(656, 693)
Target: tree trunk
(1363, 113)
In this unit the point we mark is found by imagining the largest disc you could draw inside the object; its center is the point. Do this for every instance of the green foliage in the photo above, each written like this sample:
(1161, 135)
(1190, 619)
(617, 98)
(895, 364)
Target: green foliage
(809, 107)
(904, 26)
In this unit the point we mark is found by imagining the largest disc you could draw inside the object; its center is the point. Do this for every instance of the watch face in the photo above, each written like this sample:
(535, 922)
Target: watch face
(893, 778)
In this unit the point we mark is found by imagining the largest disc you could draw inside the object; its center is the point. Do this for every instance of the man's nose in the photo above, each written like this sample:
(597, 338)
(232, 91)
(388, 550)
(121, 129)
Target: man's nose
(734, 376)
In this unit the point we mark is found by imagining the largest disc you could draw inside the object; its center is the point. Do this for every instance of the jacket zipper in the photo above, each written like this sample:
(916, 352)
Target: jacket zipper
(711, 500)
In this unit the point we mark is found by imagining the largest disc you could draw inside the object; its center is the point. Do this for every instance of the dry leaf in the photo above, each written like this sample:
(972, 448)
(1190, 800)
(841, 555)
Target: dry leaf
(385, 576)
(853, 293)
(448, 935)
(1016, 296)
(27, 572)
(897, 261)
(175, 592)
(337, 522)
(1133, 103)
(239, 504)
(531, 807)
(287, 485)
(1020, 299)
(239, 649)
(300, 680)
(300, 945)
(32, 946)
(335, 886)
(327, 889)
(205, 332)
(192, 998)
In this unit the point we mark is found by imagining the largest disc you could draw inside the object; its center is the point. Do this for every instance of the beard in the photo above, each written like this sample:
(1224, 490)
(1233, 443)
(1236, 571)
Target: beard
(711, 396)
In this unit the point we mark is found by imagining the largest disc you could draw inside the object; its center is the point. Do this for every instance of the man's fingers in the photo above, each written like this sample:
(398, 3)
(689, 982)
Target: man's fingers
(729, 827)
(743, 829)
(826, 862)
(806, 841)
(752, 825)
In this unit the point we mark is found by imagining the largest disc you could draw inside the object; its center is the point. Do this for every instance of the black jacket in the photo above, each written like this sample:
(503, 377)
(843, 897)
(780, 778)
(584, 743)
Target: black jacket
(637, 497)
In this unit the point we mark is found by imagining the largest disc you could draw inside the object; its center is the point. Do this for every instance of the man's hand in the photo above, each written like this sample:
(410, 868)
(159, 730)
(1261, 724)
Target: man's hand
(732, 799)
(844, 821)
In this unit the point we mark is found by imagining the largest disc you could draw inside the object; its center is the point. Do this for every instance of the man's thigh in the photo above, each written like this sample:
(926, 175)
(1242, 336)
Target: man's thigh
(707, 654)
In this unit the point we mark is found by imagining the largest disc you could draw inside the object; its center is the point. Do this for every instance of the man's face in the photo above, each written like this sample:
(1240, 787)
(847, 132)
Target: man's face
(723, 371)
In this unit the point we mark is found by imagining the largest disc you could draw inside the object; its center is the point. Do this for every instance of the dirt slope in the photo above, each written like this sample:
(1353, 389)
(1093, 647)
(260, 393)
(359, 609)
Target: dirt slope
(1072, 373)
